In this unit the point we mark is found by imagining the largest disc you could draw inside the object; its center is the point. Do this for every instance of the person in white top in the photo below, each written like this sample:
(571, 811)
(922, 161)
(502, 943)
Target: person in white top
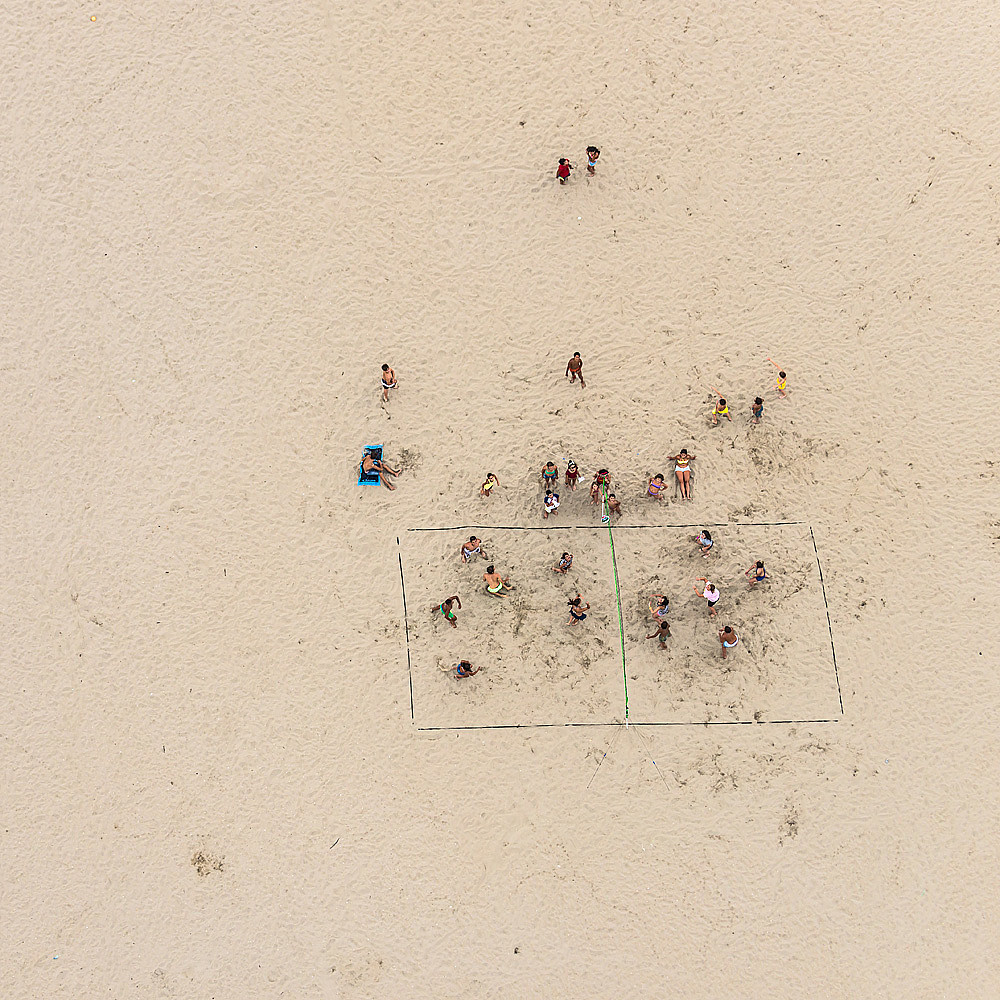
(710, 592)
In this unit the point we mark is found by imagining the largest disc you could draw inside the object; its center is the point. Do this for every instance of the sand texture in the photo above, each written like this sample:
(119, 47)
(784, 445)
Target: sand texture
(219, 220)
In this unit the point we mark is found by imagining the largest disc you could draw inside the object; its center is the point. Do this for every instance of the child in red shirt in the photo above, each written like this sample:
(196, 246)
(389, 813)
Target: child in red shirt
(562, 171)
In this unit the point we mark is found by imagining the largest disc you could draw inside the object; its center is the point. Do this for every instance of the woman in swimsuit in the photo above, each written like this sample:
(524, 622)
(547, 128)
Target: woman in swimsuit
(473, 547)
(550, 504)
(491, 481)
(656, 486)
(710, 592)
(601, 478)
(682, 470)
(550, 475)
(388, 381)
(704, 539)
(592, 155)
(565, 562)
(464, 669)
(572, 475)
(495, 583)
(576, 610)
(721, 410)
(729, 639)
(445, 608)
(369, 464)
(659, 607)
(758, 571)
(757, 410)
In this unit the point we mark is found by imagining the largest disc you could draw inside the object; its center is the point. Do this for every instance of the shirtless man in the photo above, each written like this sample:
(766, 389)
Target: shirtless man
(614, 506)
(495, 583)
(575, 367)
(388, 381)
(369, 464)
(445, 608)
(662, 633)
(472, 548)
(729, 639)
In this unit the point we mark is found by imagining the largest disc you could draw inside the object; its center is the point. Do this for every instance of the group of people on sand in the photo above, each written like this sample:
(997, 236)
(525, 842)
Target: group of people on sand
(564, 167)
(550, 482)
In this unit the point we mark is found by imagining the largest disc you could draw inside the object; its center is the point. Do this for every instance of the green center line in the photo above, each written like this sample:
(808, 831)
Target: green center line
(618, 598)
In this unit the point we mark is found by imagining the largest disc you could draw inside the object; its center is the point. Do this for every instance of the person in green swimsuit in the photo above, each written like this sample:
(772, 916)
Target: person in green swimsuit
(495, 583)
(445, 608)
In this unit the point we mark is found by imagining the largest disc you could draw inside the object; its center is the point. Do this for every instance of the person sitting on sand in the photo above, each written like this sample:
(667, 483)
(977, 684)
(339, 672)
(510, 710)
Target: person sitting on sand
(550, 504)
(565, 562)
(562, 171)
(656, 486)
(550, 476)
(495, 583)
(592, 156)
(574, 367)
(710, 592)
(757, 410)
(704, 539)
(729, 639)
(662, 633)
(577, 610)
(572, 475)
(369, 465)
(445, 608)
(472, 548)
(614, 506)
(388, 381)
(659, 607)
(602, 479)
(721, 410)
(488, 484)
(682, 470)
(756, 573)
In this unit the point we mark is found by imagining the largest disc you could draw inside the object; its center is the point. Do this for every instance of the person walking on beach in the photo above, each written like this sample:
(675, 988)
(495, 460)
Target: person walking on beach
(495, 583)
(562, 171)
(388, 382)
(729, 640)
(682, 470)
(565, 563)
(472, 548)
(592, 156)
(574, 367)
(445, 607)
(662, 633)
(710, 592)
(577, 610)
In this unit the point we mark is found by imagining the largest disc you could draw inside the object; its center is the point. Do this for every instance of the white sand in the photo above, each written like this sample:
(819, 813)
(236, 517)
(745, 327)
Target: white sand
(219, 220)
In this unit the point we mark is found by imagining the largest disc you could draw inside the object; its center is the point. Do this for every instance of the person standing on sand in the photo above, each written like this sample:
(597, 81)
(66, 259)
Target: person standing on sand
(445, 608)
(464, 669)
(614, 506)
(388, 382)
(495, 583)
(574, 368)
(602, 479)
(659, 607)
(729, 639)
(577, 610)
(550, 476)
(592, 156)
(572, 475)
(488, 484)
(757, 410)
(710, 592)
(562, 171)
(550, 504)
(662, 633)
(473, 547)
(756, 573)
(721, 410)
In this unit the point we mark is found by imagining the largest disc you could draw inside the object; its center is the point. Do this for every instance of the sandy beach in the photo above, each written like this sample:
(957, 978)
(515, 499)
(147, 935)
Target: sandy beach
(231, 765)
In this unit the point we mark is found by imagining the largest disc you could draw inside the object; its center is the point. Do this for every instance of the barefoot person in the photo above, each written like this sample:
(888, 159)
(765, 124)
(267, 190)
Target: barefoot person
(704, 539)
(572, 475)
(757, 410)
(575, 367)
(565, 563)
(729, 639)
(780, 380)
(369, 465)
(462, 669)
(662, 633)
(614, 506)
(593, 153)
(488, 484)
(710, 592)
(550, 504)
(445, 607)
(550, 476)
(577, 610)
(495, 583)
(602, 480)
(472, 548)
(682, 470)
(721, 410)
(656, 486)
(659, 607)
(388, 381)
(756, 573)
(562, 171)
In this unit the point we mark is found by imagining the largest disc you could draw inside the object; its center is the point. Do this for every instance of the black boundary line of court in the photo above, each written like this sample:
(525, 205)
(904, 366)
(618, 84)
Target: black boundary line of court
(607, 725)
(406, 623)
(829, 624)
(601, 527)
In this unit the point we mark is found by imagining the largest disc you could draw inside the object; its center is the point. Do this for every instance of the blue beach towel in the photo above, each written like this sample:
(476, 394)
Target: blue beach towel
(369, 478)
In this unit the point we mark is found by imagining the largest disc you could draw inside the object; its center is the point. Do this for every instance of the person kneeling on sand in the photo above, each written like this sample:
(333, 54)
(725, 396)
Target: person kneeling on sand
(369, 464)
(565, 562)
(495, 583)
(704, 539)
